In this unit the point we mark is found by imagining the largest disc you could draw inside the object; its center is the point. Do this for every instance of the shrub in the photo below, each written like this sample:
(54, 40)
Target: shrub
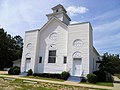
(48, 75)
(83, 79)
(14, 70)
(103, 76)
(65, 75)
(30, 72)
(92, 78)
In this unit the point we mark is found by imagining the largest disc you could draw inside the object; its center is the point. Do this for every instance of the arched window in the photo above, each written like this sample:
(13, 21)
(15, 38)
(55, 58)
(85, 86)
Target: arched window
(77, 54)
(52, 47)
(77, 43)
(29, 46)
(53, 37)
(28, 56)
(52, 54)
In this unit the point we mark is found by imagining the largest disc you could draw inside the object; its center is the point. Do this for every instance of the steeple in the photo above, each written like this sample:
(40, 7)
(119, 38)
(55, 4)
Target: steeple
(59, 12)
(59, 8)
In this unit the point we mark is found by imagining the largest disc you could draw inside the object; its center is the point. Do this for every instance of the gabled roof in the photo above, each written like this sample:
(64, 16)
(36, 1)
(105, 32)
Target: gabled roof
(51, 19)
(46, 24)
(59, 13)
(96, 51)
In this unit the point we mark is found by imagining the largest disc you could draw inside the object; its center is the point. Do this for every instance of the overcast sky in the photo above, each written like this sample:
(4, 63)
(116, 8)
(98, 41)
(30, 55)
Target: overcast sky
(18, 16)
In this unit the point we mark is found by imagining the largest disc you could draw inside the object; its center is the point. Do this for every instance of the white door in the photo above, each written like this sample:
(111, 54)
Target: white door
(27, 65)
(77, 67)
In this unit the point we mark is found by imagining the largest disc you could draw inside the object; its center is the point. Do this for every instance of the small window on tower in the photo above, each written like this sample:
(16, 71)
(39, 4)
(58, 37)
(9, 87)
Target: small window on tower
(40, 60)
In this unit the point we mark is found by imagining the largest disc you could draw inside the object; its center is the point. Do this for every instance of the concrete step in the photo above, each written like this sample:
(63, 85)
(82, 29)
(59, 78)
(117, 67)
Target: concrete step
(75, 78)
(23, 74)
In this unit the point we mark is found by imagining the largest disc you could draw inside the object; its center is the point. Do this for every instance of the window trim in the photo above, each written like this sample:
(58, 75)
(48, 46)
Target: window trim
(40, 59)
(64, 61)
(52, 56)
(28, 59)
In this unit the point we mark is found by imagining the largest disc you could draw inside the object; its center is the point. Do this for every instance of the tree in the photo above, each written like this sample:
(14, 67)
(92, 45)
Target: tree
(110, 63)
(10, 48)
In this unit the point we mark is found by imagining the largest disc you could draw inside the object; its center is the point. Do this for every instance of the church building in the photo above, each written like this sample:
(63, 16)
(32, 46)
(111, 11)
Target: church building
(60, 46)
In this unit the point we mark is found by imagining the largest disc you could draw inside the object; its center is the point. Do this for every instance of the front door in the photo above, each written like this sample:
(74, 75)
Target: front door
(77, 67)
(27, 65)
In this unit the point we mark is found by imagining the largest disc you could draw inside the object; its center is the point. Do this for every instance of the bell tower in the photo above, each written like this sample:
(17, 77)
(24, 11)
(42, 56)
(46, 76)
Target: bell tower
(59, 12)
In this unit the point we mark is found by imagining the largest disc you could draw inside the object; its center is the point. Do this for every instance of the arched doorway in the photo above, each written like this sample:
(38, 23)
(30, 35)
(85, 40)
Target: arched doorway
(27, 62)
(77, 64)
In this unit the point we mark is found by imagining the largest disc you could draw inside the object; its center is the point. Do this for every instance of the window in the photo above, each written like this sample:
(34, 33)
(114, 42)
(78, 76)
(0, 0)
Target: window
(57, 10)
(65, 60)
(28, 58)
(77, 59)
(40, 60)
(52, 56)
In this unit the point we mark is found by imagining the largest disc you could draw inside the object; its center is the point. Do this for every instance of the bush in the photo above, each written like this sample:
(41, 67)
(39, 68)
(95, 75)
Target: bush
(14, 70)
(83, 79)
(65, 75)
(30, 72)
(48, 75)
(92, 78)
(103, 76)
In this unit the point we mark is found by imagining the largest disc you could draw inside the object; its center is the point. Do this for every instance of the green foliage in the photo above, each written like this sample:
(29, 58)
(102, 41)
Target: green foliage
(103, 76)
(14, 70)
(110, 63)
(65, 75)
(83, 79)
(30, 72)
(92, 78)
(48, 75)
(10, 48)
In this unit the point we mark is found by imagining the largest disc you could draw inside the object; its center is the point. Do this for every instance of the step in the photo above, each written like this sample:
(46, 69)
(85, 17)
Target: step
(23, 74)
(75, 78)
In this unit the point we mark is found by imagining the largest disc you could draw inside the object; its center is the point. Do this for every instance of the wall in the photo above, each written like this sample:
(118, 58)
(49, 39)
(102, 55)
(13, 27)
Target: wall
(65, 20)
(90, 49)
(96, 58)
(93, 53)
(30, 37)
(61, 45)
(78, 31)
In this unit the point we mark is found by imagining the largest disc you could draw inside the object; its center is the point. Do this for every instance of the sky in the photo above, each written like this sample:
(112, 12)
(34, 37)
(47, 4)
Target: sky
(18, 16)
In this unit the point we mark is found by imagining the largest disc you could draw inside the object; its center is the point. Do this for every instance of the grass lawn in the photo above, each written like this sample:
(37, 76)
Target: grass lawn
(105, 84)
(100, 83)
(20, 85)
(44, 78)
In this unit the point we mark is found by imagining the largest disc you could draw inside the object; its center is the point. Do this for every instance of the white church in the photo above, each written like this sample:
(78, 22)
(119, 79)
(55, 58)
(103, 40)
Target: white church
(60, 46)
